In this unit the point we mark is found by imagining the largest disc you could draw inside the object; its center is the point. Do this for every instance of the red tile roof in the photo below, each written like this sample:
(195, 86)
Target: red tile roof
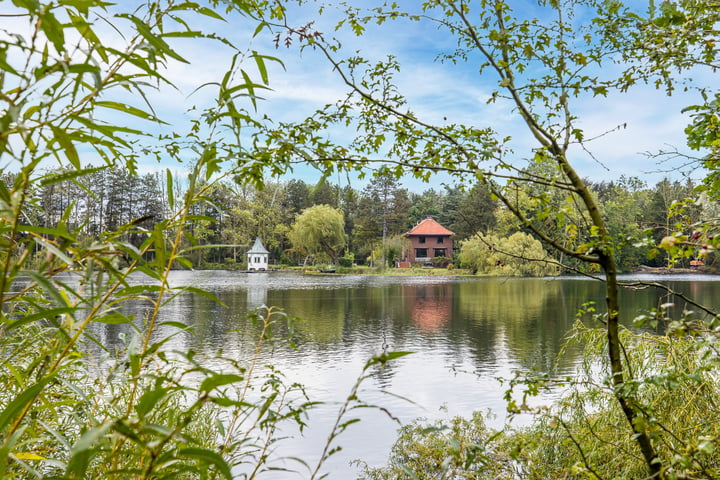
(429, 227)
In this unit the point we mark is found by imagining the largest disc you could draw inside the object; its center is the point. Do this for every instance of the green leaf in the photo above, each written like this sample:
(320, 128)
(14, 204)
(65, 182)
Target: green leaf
(209, 12)
(49, 288)
(113, 319)
(108, 130)
(66, 144)
(83, 451)
(261, 26)
(184, 262)
(138, 290)
(4, 66)
(52, 29)
(169, 189)
(386, 357)
(49, 314)
(8, 445)
(160, 45)
(158, 429)
(55, 250)
(67, 175)
(84, 28)
(149, 399)
(121, 427)
(173, 324)
(90, 438)
(209, 457)
(267, 404)
(129, 109)
(262, 68)
(219, 380)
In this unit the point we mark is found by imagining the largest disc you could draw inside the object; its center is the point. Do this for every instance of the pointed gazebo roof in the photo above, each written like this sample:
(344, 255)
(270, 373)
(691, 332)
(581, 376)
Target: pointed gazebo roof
(429, 227)
(257, 248)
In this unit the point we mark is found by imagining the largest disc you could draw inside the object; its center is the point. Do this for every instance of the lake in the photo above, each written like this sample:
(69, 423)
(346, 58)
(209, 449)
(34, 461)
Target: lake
(465, 333)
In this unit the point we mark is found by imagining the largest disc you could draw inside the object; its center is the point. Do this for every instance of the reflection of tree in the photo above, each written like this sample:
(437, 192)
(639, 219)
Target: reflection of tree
(322, 312)
(526, 317)
(488, 321)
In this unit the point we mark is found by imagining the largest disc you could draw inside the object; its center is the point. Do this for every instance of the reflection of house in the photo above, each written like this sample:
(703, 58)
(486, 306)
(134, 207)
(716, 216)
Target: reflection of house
(432, 305)
(258, 256)
(429, 239)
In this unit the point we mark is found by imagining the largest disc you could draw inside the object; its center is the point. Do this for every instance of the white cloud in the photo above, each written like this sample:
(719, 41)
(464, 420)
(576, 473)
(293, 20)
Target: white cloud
(630, 128)
(437, 92)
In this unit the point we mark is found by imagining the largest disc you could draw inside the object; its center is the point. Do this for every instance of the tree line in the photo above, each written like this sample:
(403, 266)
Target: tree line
(372, 219)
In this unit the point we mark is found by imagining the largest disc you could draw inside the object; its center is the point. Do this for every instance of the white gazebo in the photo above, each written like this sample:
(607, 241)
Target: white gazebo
(258, 256)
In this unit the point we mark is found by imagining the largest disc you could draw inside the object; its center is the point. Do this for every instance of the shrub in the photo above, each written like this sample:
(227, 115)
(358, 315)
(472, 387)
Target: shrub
(584, 433)
(456, 448)
(441, 262)
(347, 261)
(517, 255)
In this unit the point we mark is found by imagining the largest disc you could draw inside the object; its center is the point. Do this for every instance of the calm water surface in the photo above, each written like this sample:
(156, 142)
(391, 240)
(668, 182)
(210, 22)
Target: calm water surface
(466, 333)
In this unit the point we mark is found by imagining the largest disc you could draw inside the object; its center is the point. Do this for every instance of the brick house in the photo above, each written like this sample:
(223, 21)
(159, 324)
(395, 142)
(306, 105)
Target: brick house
(428, 239)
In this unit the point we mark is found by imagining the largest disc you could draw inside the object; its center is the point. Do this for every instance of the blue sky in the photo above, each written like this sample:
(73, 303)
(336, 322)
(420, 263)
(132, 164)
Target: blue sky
(649, 121)
(652, 121)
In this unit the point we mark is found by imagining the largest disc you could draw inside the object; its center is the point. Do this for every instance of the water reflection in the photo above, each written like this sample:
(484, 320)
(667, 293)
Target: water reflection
(430, 305)
(465, 332)
(257, 289)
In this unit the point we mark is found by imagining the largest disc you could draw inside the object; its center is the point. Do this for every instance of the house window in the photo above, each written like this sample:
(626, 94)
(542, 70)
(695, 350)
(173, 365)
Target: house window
(441, 240)
(421, 240)
(440, 252)
(421, 253)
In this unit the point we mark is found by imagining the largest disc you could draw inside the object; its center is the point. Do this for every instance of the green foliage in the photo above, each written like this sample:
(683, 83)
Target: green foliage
(516, 255)
(149, 413)
(347, 260)
(143, 414)
(319, 229)
(474, 212)
(441, 262)
(457, 448)
(583, 433)
(391, 251)
(674, 383)
(625, 206)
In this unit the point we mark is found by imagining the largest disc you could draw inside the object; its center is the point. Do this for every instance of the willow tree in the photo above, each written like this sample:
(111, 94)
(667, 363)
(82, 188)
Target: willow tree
(544, 61)
(319, 230)
(519, 255)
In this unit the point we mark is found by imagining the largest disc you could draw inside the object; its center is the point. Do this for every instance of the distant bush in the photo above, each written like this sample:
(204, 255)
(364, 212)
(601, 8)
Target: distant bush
(346, 261)
(517, 255)
(441, 262)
